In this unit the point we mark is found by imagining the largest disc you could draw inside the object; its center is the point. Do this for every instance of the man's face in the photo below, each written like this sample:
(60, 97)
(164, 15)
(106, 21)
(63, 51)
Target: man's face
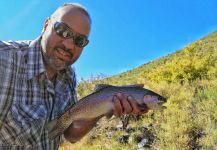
(60, 52)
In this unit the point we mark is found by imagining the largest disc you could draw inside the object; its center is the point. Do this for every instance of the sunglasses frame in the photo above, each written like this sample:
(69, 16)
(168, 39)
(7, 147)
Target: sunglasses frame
(73, 35)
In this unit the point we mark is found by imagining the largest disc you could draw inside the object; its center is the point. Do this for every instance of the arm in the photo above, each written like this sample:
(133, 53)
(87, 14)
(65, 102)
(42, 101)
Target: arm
(74, 134)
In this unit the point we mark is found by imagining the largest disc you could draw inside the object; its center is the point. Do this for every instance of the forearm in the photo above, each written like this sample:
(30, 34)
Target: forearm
(75, 133)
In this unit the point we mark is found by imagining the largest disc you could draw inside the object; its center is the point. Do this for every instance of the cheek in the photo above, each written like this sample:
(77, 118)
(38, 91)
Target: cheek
(79, 52)
(76, 55)
(50, 40)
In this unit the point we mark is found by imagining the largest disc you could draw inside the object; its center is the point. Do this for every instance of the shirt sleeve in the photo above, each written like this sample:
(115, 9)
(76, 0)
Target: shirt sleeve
(7, 77)
(21, 124)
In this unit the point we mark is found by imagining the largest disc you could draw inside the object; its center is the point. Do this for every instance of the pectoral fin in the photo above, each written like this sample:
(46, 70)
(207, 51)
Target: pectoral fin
(79, 123)
(109, 115)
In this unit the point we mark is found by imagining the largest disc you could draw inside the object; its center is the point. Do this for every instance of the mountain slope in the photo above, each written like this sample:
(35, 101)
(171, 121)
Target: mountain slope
(196, 61)
(188, 78)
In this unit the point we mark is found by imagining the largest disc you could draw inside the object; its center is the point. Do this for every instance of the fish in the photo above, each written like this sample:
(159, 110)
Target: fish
(100, 103)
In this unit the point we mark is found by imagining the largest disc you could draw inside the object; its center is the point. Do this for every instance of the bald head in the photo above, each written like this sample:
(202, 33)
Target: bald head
(67, 7)
(59, 52)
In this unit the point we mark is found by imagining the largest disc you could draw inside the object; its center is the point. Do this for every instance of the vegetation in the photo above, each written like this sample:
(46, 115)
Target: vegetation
(188, 78)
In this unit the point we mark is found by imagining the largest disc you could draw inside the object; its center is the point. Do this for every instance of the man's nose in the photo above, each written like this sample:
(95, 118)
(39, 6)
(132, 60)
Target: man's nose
(69, 44)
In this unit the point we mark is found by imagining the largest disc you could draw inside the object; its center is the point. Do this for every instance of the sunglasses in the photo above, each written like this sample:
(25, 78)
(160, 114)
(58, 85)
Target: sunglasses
(65, 32)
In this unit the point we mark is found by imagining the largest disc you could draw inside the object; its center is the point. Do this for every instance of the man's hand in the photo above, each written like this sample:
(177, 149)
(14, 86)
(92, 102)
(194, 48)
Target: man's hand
(126, 104)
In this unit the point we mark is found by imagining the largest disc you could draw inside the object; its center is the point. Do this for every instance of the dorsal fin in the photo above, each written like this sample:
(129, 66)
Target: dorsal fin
(101, 86)
(134, 85)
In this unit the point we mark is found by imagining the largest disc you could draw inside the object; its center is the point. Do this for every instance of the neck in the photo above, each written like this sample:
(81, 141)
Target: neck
(50, 72)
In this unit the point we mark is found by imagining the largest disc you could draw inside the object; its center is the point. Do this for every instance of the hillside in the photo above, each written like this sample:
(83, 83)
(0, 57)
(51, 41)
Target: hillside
(188, 78)
(196, 61)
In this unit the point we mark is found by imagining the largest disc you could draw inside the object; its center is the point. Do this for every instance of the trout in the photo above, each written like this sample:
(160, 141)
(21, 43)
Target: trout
(100, 103)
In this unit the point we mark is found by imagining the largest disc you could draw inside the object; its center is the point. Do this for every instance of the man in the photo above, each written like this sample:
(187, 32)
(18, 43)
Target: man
(37, 83)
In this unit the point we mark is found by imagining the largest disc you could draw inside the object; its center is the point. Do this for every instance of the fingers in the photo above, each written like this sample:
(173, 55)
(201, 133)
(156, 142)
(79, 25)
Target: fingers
(135, 108)
(127, 105)
(118, 107)
(122, 106)
(126, 109)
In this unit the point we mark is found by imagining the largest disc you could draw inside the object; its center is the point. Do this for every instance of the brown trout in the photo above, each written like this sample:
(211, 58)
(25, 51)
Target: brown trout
(100, 103)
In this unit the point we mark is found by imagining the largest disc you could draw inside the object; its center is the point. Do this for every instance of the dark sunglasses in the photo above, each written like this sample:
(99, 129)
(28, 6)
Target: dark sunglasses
(65, 32)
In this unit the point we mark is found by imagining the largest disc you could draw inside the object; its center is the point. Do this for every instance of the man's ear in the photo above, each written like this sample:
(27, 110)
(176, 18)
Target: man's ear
(45, 24)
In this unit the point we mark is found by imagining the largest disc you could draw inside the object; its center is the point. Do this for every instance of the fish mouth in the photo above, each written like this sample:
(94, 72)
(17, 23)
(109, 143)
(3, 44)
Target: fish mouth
(160, 102)
(162, 99)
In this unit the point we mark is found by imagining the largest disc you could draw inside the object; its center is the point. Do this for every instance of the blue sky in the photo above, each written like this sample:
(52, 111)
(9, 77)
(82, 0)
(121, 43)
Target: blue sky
(125, 33)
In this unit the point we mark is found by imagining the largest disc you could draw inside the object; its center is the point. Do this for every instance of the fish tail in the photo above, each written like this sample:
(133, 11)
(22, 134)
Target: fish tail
(53, 129)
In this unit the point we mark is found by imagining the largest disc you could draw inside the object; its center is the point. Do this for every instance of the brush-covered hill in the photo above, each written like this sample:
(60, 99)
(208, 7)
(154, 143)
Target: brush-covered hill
(196, 61)
(188, 78)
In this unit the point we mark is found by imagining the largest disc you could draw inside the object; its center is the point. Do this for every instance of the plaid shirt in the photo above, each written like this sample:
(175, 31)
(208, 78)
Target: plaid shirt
(28, 100)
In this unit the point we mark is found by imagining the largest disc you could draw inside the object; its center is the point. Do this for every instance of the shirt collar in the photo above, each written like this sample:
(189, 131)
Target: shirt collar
(35, 65)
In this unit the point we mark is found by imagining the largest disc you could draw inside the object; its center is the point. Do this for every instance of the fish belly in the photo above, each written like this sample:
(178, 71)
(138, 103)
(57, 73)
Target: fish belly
(95, 111)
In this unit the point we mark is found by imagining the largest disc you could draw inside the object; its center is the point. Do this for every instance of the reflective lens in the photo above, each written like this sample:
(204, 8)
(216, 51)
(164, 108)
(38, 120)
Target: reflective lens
(65, 32)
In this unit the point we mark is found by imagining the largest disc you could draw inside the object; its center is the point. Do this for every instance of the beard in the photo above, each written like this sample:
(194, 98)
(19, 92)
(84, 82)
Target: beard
(53, 61)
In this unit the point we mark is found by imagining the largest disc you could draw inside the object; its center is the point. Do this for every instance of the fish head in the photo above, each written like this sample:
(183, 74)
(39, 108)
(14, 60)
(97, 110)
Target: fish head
(153, 100)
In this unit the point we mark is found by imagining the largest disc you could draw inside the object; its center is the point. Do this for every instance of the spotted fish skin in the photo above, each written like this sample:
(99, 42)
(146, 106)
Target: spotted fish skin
(100, 103)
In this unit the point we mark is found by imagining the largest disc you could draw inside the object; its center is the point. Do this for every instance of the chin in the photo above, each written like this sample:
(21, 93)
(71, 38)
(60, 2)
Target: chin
(58, 68)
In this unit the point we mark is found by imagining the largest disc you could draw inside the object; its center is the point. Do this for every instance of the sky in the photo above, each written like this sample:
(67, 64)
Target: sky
(125, 34)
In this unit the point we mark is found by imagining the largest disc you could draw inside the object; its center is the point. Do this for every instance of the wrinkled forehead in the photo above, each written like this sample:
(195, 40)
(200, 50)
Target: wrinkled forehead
(74, 18)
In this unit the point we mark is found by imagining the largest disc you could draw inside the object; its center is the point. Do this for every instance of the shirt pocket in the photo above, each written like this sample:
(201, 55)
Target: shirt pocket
(30, 120)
